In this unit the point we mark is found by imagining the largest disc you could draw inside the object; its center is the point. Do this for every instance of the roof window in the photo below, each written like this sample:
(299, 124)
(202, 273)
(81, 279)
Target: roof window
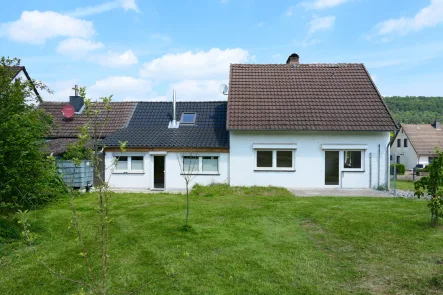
(188, 118)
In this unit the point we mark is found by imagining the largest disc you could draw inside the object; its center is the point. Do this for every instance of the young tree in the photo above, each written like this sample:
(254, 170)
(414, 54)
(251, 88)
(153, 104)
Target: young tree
(89, 148)
(433, 184)
(27, 176)
(189, 167)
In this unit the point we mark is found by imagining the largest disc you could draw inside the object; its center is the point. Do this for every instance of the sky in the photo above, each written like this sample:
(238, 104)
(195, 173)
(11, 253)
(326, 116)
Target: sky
(142, 49)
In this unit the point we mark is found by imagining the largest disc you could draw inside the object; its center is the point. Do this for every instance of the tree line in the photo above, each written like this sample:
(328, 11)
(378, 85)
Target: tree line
(415, 109)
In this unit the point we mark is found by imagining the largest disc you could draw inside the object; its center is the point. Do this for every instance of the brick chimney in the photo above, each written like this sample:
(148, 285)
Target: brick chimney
(293, 59)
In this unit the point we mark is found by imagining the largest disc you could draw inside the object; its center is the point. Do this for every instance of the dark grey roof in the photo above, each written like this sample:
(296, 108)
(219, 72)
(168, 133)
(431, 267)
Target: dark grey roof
(149, 126)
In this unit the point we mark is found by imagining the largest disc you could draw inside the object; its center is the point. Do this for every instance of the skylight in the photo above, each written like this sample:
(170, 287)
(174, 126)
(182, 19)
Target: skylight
(188, 118)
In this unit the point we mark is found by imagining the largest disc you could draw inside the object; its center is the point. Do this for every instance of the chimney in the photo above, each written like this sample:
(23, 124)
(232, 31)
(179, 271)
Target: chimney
(174, 123)
(76, 101)
(437, 125)
(174, 105)
(293, 59)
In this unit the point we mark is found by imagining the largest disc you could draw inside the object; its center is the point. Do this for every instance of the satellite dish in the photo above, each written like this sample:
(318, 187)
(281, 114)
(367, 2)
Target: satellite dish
(68, 111)
(223, 89)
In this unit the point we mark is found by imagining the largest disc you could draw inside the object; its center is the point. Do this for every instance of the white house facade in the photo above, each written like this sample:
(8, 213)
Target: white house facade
(297, 159)
(290, 125)
(416, 143)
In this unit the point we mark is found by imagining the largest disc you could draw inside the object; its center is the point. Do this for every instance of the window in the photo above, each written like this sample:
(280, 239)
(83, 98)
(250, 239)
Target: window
(405, 142)
(200, 165)
(274, 160)
(137, 163)
(210, 164)
(398, 159)
(264, 158)
(122, 163)
(190, 164)
(125, 164)
(284, 159)
(399, 142)
(352, 159)
(188, 118)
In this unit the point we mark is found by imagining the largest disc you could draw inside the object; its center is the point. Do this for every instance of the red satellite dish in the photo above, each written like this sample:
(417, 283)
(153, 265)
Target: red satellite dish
(68, 111)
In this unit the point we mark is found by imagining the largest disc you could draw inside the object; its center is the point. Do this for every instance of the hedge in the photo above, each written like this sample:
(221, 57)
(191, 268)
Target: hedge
(400, 169)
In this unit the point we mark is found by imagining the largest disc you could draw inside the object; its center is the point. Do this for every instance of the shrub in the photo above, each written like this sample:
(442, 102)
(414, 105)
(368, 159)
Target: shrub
(400, 168)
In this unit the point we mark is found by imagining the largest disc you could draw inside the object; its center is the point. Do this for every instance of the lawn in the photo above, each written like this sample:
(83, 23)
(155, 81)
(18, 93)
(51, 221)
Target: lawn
(243, 241)
(405, 185)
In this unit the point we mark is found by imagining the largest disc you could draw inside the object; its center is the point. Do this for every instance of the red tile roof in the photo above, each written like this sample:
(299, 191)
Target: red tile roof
(305, 97)
(424, 138)
(118, 117)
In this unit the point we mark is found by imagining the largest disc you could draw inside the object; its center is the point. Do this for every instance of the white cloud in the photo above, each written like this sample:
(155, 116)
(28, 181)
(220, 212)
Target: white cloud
(116, 60)
(289, 11)
(322, 4)
(321, 23)
(104, 7)
(260, 24)
(191, 65)
(77, 46)
(36, 27)
(198, 90)
(122, 87)
(428, 17)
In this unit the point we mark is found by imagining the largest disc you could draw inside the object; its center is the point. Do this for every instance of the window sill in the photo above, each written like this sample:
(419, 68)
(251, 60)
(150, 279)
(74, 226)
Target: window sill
(350, 170)
(274, 170)
(128, 172)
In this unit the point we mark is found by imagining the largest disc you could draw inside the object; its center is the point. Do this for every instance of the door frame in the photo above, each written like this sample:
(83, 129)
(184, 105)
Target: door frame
(339, 170)
(157, 154)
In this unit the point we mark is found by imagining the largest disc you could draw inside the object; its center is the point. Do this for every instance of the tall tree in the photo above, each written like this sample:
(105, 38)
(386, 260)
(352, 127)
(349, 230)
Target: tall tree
(27, 175)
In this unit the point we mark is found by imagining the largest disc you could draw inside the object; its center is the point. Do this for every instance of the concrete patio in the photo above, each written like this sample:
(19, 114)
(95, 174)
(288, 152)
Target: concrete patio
(331, 192)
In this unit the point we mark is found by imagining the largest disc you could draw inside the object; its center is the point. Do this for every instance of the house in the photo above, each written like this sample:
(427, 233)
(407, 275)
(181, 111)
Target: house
(161, 147)
(307, 126)
(20, 72)
(416, 143)
(66, 128)
(290, 125)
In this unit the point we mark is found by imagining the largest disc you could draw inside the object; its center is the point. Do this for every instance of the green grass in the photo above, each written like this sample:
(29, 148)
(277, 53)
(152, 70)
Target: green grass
(242, 241)
(405, 185)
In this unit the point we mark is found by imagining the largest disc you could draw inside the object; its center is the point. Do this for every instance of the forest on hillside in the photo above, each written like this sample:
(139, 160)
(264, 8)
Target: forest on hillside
(415, 109)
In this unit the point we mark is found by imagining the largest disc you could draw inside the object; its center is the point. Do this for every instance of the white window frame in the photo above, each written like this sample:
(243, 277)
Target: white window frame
(274, 160)
(129, 170)
(200, 165)
(362, 168)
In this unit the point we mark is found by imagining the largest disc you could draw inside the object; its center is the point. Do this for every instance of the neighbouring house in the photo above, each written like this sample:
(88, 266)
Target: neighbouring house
(162, 147)
(416, 143)
(307, 125)
(291, 125)
(20, 72)
(66, 128)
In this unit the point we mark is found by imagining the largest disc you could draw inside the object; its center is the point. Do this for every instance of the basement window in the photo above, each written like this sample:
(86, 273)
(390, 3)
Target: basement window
(188, 118)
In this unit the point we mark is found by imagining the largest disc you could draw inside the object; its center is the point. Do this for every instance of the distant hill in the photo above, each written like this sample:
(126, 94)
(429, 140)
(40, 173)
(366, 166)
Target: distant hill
(415, 109)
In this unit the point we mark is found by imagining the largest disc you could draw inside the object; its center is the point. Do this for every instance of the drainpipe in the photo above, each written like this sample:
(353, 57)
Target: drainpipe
(378, 167)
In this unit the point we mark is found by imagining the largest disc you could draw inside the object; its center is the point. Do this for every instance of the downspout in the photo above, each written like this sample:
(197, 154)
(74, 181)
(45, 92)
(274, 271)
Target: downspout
(378, 167)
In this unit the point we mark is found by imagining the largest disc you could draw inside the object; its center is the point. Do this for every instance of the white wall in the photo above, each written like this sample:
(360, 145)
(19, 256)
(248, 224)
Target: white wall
(309, 158)
(173, 179)
(408, 157)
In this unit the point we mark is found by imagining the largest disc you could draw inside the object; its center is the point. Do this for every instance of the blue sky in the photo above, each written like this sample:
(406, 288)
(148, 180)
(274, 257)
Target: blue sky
(141, 50)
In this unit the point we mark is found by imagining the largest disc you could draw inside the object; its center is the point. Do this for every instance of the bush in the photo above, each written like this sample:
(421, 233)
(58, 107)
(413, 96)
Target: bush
(401, 169)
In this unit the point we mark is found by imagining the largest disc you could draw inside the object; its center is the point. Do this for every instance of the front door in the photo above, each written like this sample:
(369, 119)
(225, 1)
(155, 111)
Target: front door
(159, 172)
(332, 169)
